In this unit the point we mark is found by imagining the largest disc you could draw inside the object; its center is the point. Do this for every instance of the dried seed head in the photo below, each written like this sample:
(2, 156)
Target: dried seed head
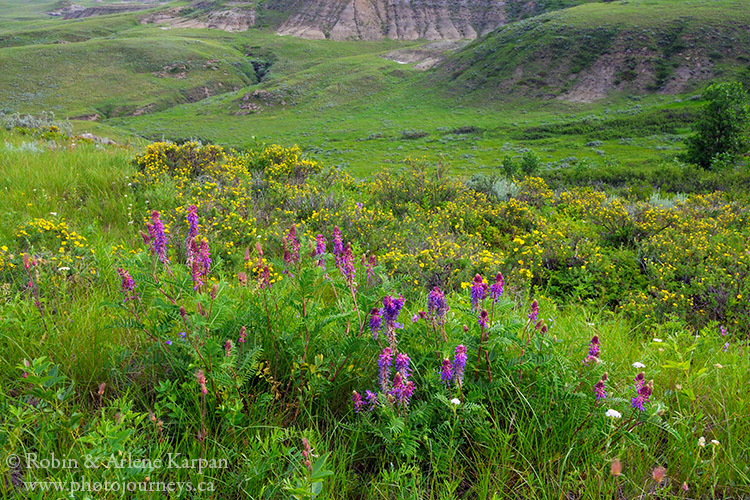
(616, 467)
(659, 473)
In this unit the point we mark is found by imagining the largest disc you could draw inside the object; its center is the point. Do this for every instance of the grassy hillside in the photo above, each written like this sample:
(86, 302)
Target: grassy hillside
(594, 50)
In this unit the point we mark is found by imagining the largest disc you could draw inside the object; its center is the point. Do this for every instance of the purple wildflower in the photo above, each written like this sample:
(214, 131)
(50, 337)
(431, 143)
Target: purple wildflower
(534, 311)
(192, 217)
(384, 367)
(320, 250)
(402, 364)
(723, 331)
(338, 244)
(157, 237)
(496, 289)
(478, 291)
(168, 342)
(357, 400)
(372, 399)
(128, 285)
(726, 346)
(375, 322)
(182, 335)
(391, 308)
(594, 346)
(402, 390)
(370, 264)
(483, 318)
(243, 335)
(346, 264)
(459, 363)
(642, 396)
(436, 304)
(228, 348)
(639, 380)
(446, 371)
(599, 390)
(291, 247)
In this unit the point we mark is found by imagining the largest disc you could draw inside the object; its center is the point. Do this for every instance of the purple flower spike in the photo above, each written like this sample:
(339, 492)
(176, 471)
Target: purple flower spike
(391, 308)
(357, 400)
(496, 289)
(639, 380)
(402, 365)
(375, 322)
(158, 238)
(599, 390)
(128, 285)
(338, 244)
(459, 364)
(436, 304)
(483, 318)
(534, 311)
(446, 371)
(384, 367)
(594, 346)
(644, 392)
(192, 217)
(346, 264)
(479, 291)
(291, 247)
(372, 399)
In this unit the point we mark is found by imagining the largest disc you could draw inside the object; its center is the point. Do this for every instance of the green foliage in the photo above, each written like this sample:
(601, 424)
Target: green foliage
(722, 131)
(530, 163)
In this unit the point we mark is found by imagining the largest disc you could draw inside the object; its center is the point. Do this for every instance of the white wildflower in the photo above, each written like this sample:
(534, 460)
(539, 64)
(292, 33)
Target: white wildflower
(455, 401)
(613, 413)
(638, 364)
(702, 442)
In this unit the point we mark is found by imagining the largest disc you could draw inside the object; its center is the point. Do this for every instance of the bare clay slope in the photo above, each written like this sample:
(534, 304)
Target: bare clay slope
(398, 19)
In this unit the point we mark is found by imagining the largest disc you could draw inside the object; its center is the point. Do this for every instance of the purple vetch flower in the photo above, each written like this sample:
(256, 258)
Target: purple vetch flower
(291, 246)
(496, 289)
(372, 399)
(415, 318)
(599, 389)
(391, 308)
(338, 244)
(478, 291)
(228, 348)
(384, 367)
(446, 371)
(402, 390)
(639, 380)
(157, 237)
(436, 304)
(402, 365)
(370, 264)
(534, 311)
(168, 342)
(357, 400)
(199, 259)
(643, 393)
(243, 335)
(128, 285)
(320, 250)
(375, 322)
(192, 218)
(726, 346)
(594, 346)
(723, 331)
(483, 318)
(459, 364)
(594, 349)
(346, 264)
(182, 335)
